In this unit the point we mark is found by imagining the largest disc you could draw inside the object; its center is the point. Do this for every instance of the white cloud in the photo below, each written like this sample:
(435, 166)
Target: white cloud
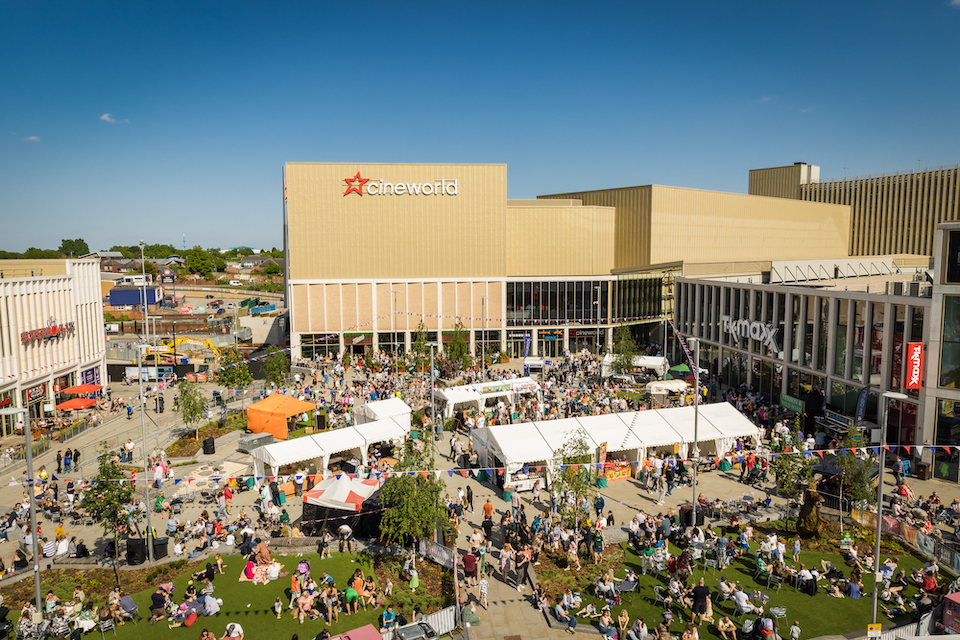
(31, 139)
(108, 117)
(765, 99)
(955, 3)
(806, 110)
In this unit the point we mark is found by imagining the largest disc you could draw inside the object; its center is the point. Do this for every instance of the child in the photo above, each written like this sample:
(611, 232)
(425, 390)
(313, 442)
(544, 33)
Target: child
(388, 590)
(589, 611)
(796, 549)
(483, 591)
(278, 607)
(325, 545)
(795, 629)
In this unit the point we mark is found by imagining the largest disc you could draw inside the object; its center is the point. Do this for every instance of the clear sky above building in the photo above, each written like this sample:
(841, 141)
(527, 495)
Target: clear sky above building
(129, 120)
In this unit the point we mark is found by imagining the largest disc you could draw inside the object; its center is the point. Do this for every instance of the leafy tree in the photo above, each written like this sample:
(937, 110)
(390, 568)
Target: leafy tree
(74, 248)
(199, 262)
(578, 479)
(419, 348)
(106, 498)
(458, 351)
(41, 254)
(234, 372)
(793, 473)
(624, 349)
(412, 502)
(151, 268)
(191, 405)
(272, 269)
(855, 472)
(276, 366)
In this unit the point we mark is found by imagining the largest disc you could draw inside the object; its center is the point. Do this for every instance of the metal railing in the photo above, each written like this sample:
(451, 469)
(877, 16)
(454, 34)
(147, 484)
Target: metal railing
(888, 174)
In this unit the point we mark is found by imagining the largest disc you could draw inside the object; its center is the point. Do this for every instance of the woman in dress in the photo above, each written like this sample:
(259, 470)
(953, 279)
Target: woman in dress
(506, 555)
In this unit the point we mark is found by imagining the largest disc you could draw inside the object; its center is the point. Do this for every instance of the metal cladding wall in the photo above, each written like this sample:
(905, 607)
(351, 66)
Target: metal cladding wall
(776, 182)
(712, 226)
(893, 213)
(335, 232)
(656, 224)
(561, 240)
(632, 239)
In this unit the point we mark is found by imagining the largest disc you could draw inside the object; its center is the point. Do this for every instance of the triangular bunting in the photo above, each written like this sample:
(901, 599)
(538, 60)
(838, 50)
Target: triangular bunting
(176, 481)
(907, 447)
(463, 472)
(426, 474)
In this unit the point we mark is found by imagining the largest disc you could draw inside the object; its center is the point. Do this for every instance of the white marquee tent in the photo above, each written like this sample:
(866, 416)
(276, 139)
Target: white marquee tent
(658, 364)
(476, 394)
(320, 447)
(383, 410)
(634, 434)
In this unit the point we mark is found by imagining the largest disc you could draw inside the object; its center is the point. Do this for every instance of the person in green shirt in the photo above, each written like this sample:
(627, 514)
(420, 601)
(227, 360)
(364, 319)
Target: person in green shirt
(284, 516)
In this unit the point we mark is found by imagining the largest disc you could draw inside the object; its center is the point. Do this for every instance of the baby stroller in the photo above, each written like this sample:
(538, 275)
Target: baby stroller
(754, 476)
(303, 567)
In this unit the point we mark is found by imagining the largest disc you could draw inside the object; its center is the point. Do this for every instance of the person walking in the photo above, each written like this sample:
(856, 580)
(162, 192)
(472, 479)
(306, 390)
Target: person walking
(470, 498)
(59, 461)
(523, 564)
(662, 487)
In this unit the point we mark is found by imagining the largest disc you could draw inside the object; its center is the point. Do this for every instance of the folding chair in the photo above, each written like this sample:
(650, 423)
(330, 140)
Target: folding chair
(107, 625)
(779, 613)
(773, 579)
(134, 615)
(661, 594)
(711, 563)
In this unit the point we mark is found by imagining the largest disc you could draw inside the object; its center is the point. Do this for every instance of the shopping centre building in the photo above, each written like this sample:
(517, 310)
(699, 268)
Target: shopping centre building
(51, 333)
(374, 250)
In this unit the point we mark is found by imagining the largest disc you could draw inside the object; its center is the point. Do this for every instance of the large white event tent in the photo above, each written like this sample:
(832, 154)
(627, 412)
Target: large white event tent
(657, 363)
(320, 447)
(633, 435)
(382, 410)
(476, 395)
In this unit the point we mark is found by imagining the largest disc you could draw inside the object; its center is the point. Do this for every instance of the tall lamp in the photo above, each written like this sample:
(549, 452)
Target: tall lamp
(696, 414)
(888, 396)
(17, 411)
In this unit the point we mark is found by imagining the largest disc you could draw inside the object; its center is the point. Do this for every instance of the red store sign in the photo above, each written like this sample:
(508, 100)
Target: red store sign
(52, 330)
(35, 393)
(914, 365)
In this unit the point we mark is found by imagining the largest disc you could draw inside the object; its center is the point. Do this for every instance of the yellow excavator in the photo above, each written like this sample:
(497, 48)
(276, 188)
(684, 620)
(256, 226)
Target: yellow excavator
(188, 348)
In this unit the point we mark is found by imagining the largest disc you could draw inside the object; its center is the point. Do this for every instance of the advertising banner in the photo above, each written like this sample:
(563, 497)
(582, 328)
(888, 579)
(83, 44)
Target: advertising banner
(914, 365)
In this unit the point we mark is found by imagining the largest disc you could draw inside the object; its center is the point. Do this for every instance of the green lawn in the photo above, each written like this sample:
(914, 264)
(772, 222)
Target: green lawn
(252, 605)
(818, 615)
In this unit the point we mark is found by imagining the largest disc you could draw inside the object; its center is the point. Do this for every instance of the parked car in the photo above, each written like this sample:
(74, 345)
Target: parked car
(209, 295)
(235, 283)
(221, 310)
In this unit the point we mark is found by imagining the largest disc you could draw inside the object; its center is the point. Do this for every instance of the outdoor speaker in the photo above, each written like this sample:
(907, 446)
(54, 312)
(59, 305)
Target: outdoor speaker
(209, 447)
(136, 551)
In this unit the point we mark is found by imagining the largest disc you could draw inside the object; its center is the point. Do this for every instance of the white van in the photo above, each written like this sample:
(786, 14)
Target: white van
(235, 283)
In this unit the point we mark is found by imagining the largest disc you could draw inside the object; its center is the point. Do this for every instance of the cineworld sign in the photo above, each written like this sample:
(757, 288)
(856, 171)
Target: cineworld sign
(754, 329)
(49, 332)
(441, 187)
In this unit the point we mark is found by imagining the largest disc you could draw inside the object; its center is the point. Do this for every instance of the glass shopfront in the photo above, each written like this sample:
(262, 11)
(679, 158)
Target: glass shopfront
(487, 341)
(531, 303)
(390, 341)
(7, 423)
(550, 343)
(60, 385)
(33, 399)
(590, 339)
(948, 435)
(322, 345)
(516, 343)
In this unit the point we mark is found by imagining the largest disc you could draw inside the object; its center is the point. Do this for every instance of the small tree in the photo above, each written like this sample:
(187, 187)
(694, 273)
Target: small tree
(191, 406)
(855, 472)
(576, 474)
(412, 502)
(276, 366)
(624, 349)
(106, 499)
(419, 348)
(234, 372)
(458, 351)
(793, 473)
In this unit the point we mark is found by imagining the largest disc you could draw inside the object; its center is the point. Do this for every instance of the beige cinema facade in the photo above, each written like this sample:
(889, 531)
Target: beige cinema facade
(374, 250)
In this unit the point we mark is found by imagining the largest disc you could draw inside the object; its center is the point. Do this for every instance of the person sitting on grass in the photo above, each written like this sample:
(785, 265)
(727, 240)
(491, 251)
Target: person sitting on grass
(606, 625)
(571, 600)
(305, 607)
(901, 608)
(589, 611)
(606, 587)
(389, 618)
(368, 596)
(727, 628)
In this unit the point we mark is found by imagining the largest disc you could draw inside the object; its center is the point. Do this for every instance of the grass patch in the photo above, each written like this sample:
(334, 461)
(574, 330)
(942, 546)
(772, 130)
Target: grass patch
(818, 615)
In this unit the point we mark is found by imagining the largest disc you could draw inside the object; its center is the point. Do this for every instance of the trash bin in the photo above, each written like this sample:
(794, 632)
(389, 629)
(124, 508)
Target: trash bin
(160, 548)
(508, 495)
(136, 551)
(602, 483)
(924, 470)
(482, 476)
(209, 446)
(724, 466)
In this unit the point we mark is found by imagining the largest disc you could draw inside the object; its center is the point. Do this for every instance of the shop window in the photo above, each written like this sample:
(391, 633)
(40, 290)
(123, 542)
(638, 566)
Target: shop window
(840, 330)
(948, 435)
(951, 267)
(950, 348)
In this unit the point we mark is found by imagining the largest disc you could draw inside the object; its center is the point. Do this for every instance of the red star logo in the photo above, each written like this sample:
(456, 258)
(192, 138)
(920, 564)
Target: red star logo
(359, 187)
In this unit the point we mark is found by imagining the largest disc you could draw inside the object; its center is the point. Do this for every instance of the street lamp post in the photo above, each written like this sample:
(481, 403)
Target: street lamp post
(143, 271)
(393, 315)
(889, 396)
(146, 473)
(696, 416)
(483, 339)
(31, 490)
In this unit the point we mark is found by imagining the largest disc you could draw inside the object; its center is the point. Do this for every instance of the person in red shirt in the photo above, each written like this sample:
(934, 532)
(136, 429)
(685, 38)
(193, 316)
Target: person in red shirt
(228, 496)
(470, 567)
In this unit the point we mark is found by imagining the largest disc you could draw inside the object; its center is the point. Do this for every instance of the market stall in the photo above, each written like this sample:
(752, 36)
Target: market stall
(524, 446)
(343, 500)
(657, 364)
(384, 410)
(477, 395)
(273, 414)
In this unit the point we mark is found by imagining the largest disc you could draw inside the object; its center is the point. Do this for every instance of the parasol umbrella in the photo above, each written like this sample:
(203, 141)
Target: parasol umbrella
(682, 368)
(341, 493)
(83, 388)
(76, 403)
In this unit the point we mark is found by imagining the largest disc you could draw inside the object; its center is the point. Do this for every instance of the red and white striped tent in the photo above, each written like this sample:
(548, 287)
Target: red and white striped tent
(343, 493)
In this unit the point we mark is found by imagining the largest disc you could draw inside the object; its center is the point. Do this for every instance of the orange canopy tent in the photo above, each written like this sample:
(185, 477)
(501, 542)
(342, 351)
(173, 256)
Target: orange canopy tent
(271, 414)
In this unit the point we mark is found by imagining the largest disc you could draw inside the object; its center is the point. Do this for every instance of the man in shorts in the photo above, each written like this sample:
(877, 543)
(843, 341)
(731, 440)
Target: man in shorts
(158, 605)
(346, 538)
(470, 567)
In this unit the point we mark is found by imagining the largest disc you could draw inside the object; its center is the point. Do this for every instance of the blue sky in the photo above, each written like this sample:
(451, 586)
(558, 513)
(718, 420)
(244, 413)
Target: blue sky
(123, 121)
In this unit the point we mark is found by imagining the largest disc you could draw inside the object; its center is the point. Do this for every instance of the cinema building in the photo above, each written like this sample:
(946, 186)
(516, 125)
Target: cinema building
(374, 250)
(51, 333)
